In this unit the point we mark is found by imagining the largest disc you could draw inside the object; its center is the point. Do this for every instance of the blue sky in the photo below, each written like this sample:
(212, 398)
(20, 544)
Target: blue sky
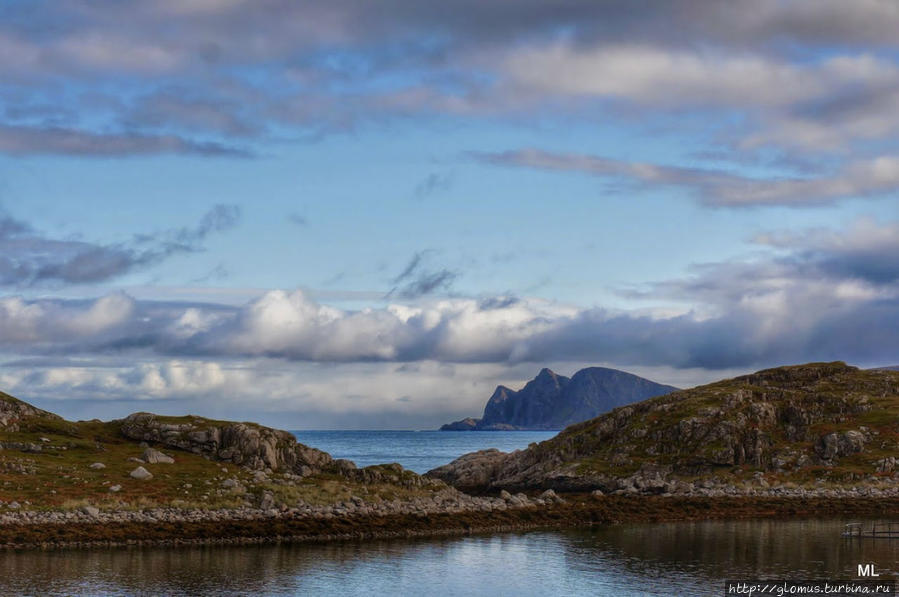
(368, 215)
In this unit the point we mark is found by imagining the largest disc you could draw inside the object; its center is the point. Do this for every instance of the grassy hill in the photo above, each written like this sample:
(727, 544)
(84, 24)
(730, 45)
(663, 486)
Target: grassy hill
(819, 423)
(48, 463)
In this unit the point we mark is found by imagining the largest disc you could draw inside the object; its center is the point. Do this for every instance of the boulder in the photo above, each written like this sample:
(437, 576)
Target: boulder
(91, 511)
(141, 473)
(153, 456)
(470, 470)
(834, 445)
(97, 466)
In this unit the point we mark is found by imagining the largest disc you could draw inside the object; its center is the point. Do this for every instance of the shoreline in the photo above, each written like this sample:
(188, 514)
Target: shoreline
(577, 511)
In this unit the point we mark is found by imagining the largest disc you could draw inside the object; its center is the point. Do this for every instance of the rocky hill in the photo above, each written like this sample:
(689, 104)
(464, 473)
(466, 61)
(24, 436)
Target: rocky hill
(188, 462)
(552, 401)
(814, 425)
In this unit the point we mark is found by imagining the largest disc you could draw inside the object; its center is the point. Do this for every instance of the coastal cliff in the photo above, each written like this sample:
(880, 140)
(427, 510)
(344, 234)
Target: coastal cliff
(552, 401)
(820, 426)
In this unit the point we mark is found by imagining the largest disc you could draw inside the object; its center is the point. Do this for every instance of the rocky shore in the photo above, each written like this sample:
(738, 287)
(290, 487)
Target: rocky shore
(489, 515)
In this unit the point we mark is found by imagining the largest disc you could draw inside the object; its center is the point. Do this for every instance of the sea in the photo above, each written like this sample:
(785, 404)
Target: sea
(418, 451)
(684, 558)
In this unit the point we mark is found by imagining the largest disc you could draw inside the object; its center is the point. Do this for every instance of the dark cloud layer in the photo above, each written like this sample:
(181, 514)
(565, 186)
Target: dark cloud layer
(213, 77)
(30, 258)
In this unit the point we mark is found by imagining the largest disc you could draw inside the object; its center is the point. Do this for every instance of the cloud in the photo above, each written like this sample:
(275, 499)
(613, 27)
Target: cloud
(46, 140)
(29, 258)
(434, 182)
(816, 295)
(807, 75)
(297, 219)
(864, 178)
(416, 280)
(293, 396)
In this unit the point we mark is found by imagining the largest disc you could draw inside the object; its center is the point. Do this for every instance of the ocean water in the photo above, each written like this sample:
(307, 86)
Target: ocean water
(684, 559)
(418, 451)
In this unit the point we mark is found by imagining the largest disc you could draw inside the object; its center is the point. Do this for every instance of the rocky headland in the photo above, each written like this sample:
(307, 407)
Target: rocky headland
(552, 401)
(821, 429)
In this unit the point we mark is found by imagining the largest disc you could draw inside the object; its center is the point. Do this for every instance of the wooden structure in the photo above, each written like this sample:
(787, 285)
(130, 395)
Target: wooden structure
(875, 530)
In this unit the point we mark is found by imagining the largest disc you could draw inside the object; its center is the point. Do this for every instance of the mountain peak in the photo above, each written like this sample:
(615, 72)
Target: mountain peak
(553, 401)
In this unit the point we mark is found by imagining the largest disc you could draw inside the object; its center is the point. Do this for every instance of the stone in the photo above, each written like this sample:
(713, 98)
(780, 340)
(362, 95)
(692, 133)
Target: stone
(834, 445)
(91, 511)
(230, 484)
(13, 506)
(154, 456)
(115, 488)
(267, 501)
(97, 466)
(141, 473)
(471, 470)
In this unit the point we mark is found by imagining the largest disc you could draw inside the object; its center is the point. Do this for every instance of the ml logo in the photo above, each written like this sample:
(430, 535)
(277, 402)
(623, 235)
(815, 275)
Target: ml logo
(866, 570)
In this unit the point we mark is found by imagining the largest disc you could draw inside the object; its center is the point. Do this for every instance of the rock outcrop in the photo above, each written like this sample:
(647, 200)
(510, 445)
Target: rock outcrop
(245, 444)
(552, 401)
(472, 471)
(821, 421)
(13, 412)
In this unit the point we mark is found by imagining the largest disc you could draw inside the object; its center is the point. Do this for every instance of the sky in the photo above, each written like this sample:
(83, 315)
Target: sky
(366, 215)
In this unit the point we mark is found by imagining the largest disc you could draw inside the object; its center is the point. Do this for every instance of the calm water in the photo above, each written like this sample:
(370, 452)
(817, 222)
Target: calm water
(418, 451)
(652, 559)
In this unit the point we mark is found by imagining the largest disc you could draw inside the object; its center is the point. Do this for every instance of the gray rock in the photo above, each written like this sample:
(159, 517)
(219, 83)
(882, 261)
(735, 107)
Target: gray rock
(141, 473)
(266, 501)
(154, 456)
(834, 445)
(115, 488)
(97, 466)
(91, 511)
(470, 470)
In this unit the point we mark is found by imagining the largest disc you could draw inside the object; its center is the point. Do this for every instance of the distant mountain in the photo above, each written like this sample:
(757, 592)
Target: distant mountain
(893, 368)
(552, 401)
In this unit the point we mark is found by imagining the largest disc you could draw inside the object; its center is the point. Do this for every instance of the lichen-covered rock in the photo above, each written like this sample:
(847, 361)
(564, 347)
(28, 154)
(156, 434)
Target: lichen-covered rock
(244, 444)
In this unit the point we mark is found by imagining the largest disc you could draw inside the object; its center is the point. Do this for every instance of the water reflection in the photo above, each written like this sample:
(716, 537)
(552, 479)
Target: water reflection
(662, 559)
